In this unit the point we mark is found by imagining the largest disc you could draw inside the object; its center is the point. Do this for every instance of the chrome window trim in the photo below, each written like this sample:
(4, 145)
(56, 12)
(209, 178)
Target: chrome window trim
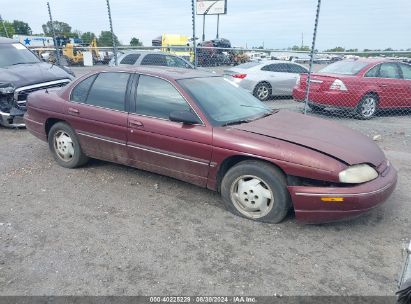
(185, 99)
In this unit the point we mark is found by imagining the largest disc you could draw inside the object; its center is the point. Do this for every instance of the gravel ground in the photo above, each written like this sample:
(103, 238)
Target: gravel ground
(107, 229)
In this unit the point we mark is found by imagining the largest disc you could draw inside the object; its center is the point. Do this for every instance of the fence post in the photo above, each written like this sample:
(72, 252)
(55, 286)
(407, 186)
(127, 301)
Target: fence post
(112, 33)
(194, 32)
(307, 88)
(54, 35)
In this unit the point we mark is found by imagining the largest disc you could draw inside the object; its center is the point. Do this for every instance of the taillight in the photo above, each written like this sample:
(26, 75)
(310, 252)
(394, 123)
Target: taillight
(338, 85)
(298, 81)
(240, 76)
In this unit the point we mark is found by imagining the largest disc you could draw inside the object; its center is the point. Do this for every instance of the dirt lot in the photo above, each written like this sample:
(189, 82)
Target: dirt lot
(106, 229)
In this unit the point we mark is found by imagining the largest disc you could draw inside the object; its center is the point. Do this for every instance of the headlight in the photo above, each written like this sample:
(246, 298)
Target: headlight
(358, 174)
(6, 88)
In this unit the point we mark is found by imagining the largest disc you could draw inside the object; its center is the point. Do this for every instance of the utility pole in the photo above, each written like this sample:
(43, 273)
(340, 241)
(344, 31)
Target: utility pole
(194, 32)
(54, 35)
(112, 33)
(4, 27)
(302, 40)
(203, 38)
(218, 26)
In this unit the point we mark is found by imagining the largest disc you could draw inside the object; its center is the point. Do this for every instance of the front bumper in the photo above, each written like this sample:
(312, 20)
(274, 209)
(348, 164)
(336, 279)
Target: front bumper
(11, 122)
(310, 208)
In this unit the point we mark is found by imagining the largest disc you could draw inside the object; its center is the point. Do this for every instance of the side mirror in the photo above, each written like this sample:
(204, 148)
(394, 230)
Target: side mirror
(186, 117)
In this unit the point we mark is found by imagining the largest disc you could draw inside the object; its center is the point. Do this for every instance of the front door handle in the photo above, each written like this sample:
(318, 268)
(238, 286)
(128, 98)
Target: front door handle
(73, 111)
(135, 124)
(383, 85)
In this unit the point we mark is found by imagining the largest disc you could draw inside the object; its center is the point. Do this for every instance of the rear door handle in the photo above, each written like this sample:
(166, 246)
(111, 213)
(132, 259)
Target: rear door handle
(135, 124)
(73, 111)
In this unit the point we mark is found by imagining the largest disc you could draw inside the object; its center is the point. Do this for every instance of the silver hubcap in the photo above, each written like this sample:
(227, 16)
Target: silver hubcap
(251, 196)
(368, 107)
(63, 146)
(262, 92)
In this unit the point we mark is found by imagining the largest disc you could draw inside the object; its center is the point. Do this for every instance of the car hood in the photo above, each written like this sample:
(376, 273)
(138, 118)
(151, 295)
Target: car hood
(27, 74)
(317, 134)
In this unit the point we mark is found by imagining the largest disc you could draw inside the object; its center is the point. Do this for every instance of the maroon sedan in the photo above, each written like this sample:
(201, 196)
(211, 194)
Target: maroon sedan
(363, 85)
(203, 129)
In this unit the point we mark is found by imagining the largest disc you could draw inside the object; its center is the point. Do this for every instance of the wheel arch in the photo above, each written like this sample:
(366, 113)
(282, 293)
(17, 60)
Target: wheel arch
(233, 160)
(51, 122)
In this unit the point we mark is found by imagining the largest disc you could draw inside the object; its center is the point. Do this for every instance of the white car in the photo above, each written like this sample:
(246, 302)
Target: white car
(268, 78)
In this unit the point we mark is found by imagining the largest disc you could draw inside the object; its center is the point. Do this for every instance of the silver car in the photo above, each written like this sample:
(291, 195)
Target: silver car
(267, 78)
(151, 58)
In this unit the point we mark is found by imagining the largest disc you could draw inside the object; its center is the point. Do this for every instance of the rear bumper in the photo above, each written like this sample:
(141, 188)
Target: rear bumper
(336, 99)
(310, 208)
(7, 121)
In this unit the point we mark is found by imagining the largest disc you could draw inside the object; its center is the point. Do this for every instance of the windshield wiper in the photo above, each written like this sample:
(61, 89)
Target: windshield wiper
(17, 63)
(236, 122)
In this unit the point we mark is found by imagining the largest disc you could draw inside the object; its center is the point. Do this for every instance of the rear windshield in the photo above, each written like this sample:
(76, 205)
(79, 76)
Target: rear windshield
(344, 67)
(14, 54)
(248, 65)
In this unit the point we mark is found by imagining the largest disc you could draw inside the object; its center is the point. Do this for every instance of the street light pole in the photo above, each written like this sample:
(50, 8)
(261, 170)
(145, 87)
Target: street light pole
(203, 38)
(218, 26)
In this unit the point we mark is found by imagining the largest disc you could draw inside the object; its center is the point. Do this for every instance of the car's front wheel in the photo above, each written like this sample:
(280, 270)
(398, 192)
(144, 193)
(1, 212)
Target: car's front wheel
(256, 190)
(65, 146)
(367, 107)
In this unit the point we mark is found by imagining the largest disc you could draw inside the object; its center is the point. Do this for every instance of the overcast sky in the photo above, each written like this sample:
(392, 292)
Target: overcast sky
(278, 23)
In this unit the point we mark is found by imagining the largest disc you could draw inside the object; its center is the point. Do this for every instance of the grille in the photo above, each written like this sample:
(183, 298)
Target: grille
(20, 94)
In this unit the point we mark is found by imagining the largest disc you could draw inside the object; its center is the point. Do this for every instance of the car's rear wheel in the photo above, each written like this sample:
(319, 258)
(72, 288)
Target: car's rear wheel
(256, 190)
(65, 146)
(262, 91)
(367, 107)
(316, 108)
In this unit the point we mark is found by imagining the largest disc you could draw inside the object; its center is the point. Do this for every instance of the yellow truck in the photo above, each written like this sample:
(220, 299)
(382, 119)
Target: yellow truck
(173, 43)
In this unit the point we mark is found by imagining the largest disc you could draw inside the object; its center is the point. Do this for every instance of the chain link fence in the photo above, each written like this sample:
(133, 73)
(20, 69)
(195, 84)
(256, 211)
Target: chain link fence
(357, 87)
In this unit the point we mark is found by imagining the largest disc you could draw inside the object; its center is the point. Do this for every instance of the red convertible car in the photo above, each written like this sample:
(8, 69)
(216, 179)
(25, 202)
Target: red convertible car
(363, 86)
(205, 130)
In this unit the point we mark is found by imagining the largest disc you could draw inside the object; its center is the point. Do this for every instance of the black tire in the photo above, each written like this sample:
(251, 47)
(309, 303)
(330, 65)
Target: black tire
(60, 130)
(263, 91)
(316, 108)
(272, 178)
(367, 107)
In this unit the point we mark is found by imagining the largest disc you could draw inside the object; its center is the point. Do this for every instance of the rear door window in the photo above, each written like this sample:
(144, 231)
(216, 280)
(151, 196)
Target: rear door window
(80, 92)
(154, 59)
(277, 67)
(109, 91)
(295, 68)
(130, 59)
(406, 71)
(389, 70)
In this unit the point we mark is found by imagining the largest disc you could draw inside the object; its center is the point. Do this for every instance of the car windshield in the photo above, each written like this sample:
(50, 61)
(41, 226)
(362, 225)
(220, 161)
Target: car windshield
(15, 53)
(344, 67)
(224, 102)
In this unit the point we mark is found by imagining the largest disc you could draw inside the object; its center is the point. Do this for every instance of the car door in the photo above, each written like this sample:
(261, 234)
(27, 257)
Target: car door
(406, 76)
(99, 115)
(293, 72)
(277, 75)
(389, 84)
(157, 144)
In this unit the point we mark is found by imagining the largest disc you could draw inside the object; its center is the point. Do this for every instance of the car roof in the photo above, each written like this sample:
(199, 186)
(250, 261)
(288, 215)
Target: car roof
(145, 52)
(161, 71)
(4, 40)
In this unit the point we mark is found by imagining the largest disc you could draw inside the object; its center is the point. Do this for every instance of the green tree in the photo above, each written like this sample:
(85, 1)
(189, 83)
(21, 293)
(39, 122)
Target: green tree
(9, 29)
(352, 50)
(60, 28)
(136, 42)
(87, 37)
(304, 48)
(21, 28)
(105, 39)
(336, 49)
